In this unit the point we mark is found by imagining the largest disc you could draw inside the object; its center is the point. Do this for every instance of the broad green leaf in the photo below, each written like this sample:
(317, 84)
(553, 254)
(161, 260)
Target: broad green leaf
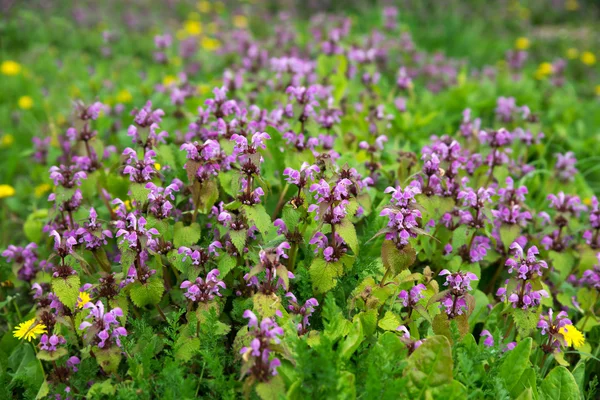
(100, 388)
(273, 389)
(429, 366)
(266, 305)
(397, 260)
(389, 322)
(347, 231)
(52, 355)
(258, 216)
(525, 383)
(525, 320)
(324, 275)
(238, 238)
(149, 293)
(108, 359)
(508, 234)
(515, 363)
(139, 192)
(67, 289)
(559, 384)
(185, 235)
(562, 262)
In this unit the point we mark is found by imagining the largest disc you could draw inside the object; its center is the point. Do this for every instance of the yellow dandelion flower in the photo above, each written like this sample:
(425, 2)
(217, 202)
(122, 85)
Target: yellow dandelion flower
(571, 5)
(25, 102)
(6, 191)
(29, 330)
(240, 21)
(587, 201)
(41, 189)
(169, 79)
(157, 166)
(522, 43)
(572, 53)
(192, 27)
(204, 6)
(83, 299)
(124, 96)
(127, 205)
(10, 68)
(210, 44)
(7, 140)
(544, 70)
(588, 58)
(572, 336)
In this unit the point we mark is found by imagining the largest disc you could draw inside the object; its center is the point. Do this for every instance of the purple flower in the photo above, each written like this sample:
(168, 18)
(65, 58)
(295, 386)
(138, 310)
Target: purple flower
(105, 325)
(257, 356)
(50, 343)
(411, 298)
(565, 166)
(25, 258)
(204, 290)
(67, 177)
(146, 116)
(526, 267)
(133, 229)
(305, 311)
(489, 339)
(550, 325)
(140, 171)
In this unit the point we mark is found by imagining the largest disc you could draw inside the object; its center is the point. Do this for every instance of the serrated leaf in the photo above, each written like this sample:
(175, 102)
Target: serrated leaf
(67, 289)
(149, 293)
(347, 231)
(562, 262)
(389, 322)
(258, 216)
(99, 388)
(226, 264)
(324, 275)
(205, 195)
(185, 235)
(266, 305)
(397, 260)
(238, 238)
(186, 348)
(525, 320)
(139, 192)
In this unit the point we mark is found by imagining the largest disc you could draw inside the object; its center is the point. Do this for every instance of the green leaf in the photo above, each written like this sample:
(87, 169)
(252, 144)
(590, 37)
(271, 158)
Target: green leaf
(324, 275)
(429, 366)
(515, 364)
(149, 293)
(259, 217)
(347, 231)
(291, 217)
(238, 238)
(186, 348)
(559, 385)
(525, 383)
(508, 234)
(562, 262)
(67, 289)
(525, 320)
(274, 389)
(460, 236)
(205, 195)
(34, 224)
(139, 192)
(185, 235)
(226, 264)
(368, 320)
(397, 260)
(353, 340)
(434, 206)
(52, 355)
(100, 388)
(108, 359)
(266, 305)
(389, 322)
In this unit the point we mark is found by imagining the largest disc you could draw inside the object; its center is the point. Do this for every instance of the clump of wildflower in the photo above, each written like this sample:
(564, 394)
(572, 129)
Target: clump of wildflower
(410, 298)
(402, 215)
(25, 258)
(551, 325)
(204, 290)
(565, 166)
(305, 311)
(489, 339)
(104, 328)
(51, 343)
(454, 301)
(525, 268)
(140, 171)
(257, 356)
(276, 274)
